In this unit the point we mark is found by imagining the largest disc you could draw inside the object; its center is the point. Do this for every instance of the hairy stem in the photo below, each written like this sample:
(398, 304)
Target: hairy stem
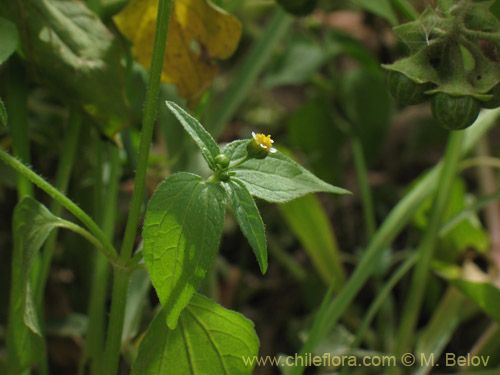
(16, 103)
(122, 277)
(107, 247)
(70, 145)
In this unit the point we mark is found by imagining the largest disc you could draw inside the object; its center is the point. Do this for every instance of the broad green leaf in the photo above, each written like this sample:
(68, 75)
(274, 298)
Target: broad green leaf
(181, 233)
(203, 139)
(367, 104)
(109, 8)
(314, 130)
(485, 294)
(75, 55)
(8, 39)
(307, 219)
(276, 178)
(32, 224)
(199, 33)
(248, 217)
(208, 340)
(475, 284)
(3, 113)
(381, 8)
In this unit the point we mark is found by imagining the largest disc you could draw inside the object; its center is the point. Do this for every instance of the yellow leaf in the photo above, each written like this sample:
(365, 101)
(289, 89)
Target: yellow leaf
(198, 33)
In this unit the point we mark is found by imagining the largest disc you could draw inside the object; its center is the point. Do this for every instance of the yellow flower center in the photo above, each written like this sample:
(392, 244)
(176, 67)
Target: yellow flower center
(264, 141)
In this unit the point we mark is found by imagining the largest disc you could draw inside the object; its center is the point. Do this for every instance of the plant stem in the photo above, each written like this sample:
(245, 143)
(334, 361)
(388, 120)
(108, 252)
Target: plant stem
(426, 249)
(111, 356)
(493, 37)
(487, 161)
(122, 276)
(287, 261)
(16, 103)
(98, 294)
(445, 5)
(488, 185)
(383, 293)
(237, 163)
(406, 9)
(70, 145)
(476, 206)
(65, 224)
(249, 72)
(392, 225)
(66, 160)
(446, 317)
(488, 343)
(147, 128)
(364, 187)
(107, 247)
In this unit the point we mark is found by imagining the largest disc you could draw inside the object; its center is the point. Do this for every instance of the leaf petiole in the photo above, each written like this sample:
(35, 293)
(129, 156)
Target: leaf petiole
(222, 174)
(238, 162)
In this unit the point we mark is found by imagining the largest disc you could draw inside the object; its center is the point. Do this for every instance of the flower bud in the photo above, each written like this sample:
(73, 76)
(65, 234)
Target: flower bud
(222, 160)
(259, 146)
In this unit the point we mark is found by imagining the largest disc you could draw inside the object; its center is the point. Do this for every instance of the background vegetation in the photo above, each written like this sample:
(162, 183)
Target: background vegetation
(379, 271)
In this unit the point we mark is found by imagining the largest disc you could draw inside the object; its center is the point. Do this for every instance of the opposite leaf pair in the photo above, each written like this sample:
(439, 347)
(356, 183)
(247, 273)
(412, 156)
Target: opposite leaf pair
(185, 216)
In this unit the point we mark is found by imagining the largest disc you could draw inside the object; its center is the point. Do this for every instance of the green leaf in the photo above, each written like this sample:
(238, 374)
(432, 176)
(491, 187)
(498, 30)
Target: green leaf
(446, 317)
(8, 39)
(3, 113)
(466, 234)
(367, 104)
(208, 340)
(314, 130)
(474, 283)
(32, 224)
(75, 55)
(248, 217)
(181, 233)
(439, 43)
(203, 139)
(307, 219)
(381, 8)
(276, 178)
(297, 66)
(485, 294)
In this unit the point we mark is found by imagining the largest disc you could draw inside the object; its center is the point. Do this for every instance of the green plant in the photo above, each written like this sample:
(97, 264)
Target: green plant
(452, 50)
(181, 235)
(298, 7)
(494, 102)
(455, 112)
(404, 90)
(404, 266)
